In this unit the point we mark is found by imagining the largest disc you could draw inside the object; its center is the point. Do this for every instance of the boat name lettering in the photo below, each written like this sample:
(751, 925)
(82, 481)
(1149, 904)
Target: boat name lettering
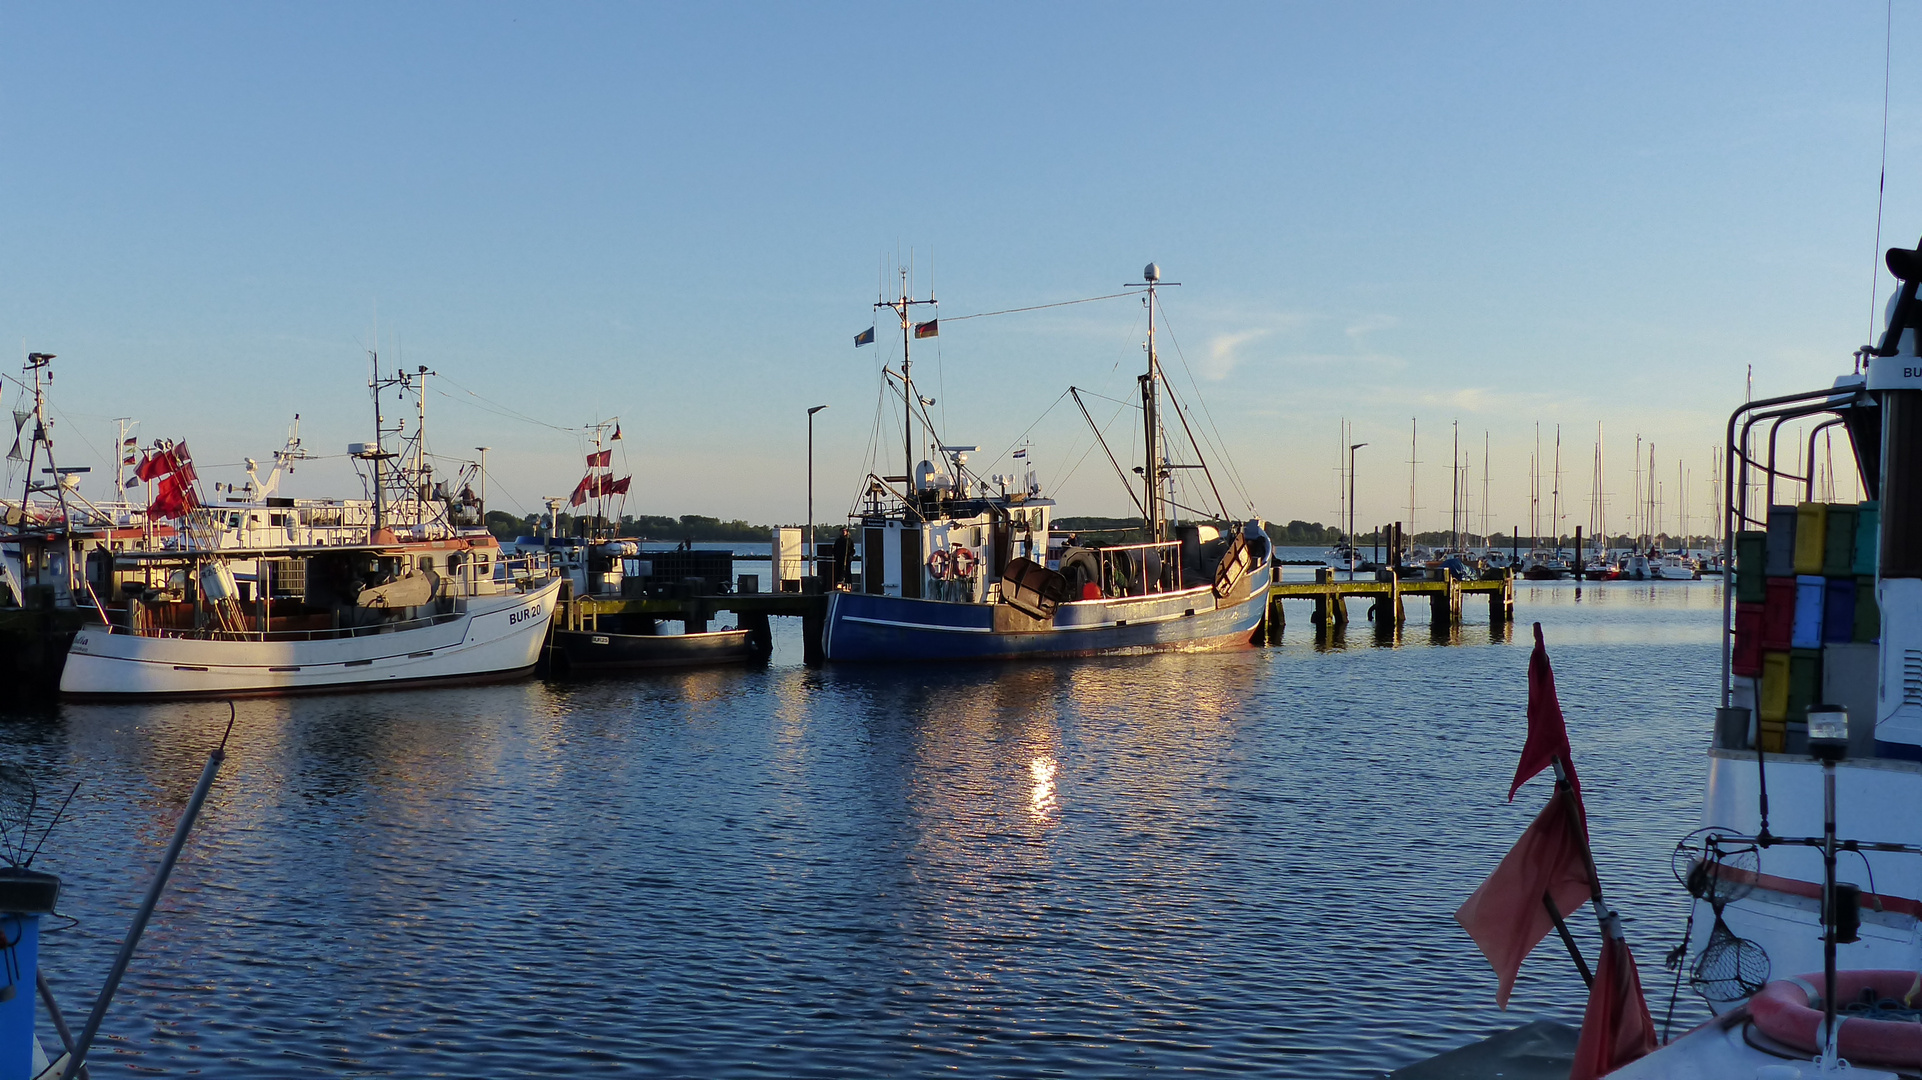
(523, 615)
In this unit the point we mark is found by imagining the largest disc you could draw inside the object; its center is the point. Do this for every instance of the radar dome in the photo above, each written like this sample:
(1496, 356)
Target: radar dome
(1151, 272)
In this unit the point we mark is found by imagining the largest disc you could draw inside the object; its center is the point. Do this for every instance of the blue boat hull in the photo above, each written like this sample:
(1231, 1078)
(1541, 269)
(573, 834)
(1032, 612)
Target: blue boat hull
(865, 627)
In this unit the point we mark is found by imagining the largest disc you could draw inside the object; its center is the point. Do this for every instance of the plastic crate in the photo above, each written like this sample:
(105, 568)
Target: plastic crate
(1811, 535)
(1868, 614)
(1838, 548)
(1751, 566)
(1774, 705)
(1780, 560)
(1746, 657)
(1810, 593)
(1778, 613)
(1805, 683)
(1838, 610)
(1868, 533)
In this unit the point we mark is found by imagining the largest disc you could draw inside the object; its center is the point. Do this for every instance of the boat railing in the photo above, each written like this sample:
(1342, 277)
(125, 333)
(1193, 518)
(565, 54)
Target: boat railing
(332, 634)
(1120, 568)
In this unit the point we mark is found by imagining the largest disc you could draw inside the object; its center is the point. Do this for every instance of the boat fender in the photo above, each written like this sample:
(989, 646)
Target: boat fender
(961, 562)
(938, 564)
(1783, 1012)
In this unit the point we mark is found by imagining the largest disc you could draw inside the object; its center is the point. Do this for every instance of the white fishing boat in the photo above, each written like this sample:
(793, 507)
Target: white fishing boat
(413, 595)
(1805, 935)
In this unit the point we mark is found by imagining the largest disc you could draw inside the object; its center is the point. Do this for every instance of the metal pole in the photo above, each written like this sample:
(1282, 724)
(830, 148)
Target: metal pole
(1828, 915)
(1351, 507)
(152, 900)
(811, 569)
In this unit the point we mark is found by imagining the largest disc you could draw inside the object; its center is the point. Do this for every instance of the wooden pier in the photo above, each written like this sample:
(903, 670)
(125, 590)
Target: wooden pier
(1330, 596)
(1389, 600)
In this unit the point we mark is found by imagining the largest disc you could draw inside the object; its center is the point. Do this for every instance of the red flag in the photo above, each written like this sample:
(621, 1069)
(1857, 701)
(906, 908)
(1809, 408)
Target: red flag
(1616, 1029)
(601, 460)
(1505, 915)
(619, 487)
(154, 466)
(174, 499)
(183, 462)
(582, 491)
(1547, 735)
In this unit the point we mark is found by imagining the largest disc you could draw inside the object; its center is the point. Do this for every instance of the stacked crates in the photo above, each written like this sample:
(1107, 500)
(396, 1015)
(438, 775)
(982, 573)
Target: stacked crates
(1806, 583)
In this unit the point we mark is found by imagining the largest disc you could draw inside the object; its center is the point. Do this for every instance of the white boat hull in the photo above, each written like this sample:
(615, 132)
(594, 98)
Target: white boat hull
(498, 637)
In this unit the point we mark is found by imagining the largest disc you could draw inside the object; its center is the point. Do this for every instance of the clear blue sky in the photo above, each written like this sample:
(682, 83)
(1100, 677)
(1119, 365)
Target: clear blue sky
(1497, 214)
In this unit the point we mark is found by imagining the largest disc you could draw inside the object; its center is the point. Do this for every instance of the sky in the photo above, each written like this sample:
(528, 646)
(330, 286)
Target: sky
(1491, 215)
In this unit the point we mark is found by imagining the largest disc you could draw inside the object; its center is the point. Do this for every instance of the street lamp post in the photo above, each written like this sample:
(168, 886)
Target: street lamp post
(1351, 508)
(813, 570)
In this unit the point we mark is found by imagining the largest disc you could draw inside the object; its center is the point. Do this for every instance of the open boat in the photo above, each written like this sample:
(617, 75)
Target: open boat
(958, 566)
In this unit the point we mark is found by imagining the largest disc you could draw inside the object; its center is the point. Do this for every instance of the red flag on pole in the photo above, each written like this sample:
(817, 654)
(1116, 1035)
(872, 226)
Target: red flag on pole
(601, 460)
(1616, 1029)
(582, 491)
(174, 499)
(1505, 915)
(153, 466)
(1547, 735)
(619, 487)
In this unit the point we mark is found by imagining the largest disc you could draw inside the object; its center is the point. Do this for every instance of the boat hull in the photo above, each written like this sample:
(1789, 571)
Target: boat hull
(498, 638)
(866, 628)
(586, 650)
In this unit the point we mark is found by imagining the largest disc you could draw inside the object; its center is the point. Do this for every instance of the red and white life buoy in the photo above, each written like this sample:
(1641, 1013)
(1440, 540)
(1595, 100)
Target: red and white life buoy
(938, 564)
(962, 562)
(1783, 1013)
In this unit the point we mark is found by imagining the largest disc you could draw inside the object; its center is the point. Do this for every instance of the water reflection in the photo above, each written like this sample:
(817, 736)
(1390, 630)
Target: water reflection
(1072, 868)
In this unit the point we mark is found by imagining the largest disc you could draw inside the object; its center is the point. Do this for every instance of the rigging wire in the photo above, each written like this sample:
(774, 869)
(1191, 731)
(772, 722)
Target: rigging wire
(1218, 444)
(1040, 307)
(1882, 185)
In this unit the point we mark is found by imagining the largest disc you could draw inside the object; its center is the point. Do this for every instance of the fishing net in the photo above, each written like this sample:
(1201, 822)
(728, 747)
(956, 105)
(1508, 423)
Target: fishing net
(1730, 968)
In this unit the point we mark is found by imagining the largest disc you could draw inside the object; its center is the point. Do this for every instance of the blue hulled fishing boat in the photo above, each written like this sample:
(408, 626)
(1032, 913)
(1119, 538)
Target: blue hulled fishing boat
(957, 566)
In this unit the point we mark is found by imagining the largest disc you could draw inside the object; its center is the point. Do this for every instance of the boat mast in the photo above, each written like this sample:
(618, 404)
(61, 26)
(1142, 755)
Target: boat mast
(904, 308)
(1151, 472)
(1555, 494)
(380, 445)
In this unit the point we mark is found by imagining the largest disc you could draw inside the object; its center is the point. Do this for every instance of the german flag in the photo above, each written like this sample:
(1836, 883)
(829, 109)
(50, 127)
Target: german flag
(931, 328)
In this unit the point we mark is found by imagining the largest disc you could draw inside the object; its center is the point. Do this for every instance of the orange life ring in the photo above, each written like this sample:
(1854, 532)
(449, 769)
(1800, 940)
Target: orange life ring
(1783, 1013)
(962, 562)
(938, 564)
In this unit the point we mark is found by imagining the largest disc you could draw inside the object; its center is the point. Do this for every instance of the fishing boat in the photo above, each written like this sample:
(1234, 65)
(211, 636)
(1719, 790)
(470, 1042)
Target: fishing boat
(955, 565)
(420, 594)
(1805, 877)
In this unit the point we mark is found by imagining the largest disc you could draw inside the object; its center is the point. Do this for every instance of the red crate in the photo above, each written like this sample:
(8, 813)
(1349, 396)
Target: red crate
(1778, 614)
(1747, 657)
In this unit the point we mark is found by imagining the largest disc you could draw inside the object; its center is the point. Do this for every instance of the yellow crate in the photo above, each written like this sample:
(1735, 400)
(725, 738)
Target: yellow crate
(1774, 705)
(1811, 532)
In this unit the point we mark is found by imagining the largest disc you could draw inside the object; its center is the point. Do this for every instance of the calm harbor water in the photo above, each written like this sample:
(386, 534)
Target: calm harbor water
(1237, 862)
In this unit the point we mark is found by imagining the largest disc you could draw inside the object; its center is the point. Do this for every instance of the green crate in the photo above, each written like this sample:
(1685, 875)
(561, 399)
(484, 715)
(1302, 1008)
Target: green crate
(1838, 550)
(1868, 617)
(1805, 683)
(1868, 532)
(1751, 564)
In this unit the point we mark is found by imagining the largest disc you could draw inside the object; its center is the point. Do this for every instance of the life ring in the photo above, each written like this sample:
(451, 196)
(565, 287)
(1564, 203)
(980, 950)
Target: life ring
(1783, 1013)
(961, 562)
(938, 564)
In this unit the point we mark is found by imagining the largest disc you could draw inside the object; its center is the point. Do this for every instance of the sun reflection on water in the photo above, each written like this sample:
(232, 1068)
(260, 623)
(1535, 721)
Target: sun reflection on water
(1041, 800)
